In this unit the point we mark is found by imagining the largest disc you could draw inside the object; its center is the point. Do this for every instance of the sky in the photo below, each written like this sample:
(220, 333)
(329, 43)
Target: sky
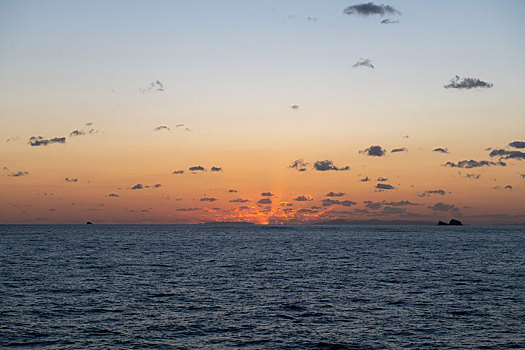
(270, 112)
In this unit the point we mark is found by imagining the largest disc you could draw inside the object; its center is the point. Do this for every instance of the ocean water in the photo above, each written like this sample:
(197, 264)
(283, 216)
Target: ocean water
(262, 287)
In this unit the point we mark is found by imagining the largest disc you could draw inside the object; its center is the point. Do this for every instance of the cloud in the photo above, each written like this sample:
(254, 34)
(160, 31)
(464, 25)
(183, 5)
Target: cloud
(522, 176)
(307, 211)
(374, 151)
(508, 187)
(178, 172)
(76, 133)
(10, 139)
(504, 154)
(393, 210)
(214, 168)
(382, 179)
(325, 165)
(299, 165)
(395, 150)
(179, 125)
(329, 202)
(19, 174)
(156, 186)
(239, 200)
(389, 21)
(40, 141)
(427, 193)
(161, 127)
(473, 176)
(365, 179)
(384, 187)
(363, 62)
(372, 205)
(197, 168)
(369, 9)
(440, 150)
(295, 107)
(335, 194)
(399, 204)
(188, 209)
(71, 180)
(517, 144)
(304, 198)
(443, 207)
(267, 194)
(154, 86)
(265, 201)
(208, 199)
(137, 187)
(232, 191)
(114, 195)
(467, 83)
(468, 164)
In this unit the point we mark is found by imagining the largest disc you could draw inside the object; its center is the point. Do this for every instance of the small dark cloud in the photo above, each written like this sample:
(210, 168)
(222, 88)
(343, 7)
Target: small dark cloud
(467, 83)
(208, 199)
(363, 62)
(114, 195)
(52, 209)
(18, 174)
(389, 21)
(239, 200)
(395, 150)
(188, 209)
(295, 107)
(179, 125)
(267, 194)
(365, 179)
(161, 127)
(517, 144)
(325, 165)
(40, 141)
(71, 180)
(348, 203)
(374, 151)
(443, 207)
(370, 9)
(77, 133)
(508, 187)
(440, 150)
(265, 201)
(504, 154)
(197, 168)
(232, 191)
(154, 86)
(382, 179)
(384, 187)
(335, 194)
(473, 176)
(156, 186)
(307, 211)
(428, 193)
(372, 205)
(299, 165)
(303, 198)
(137, 187)
(468, 164)
(214, 168)
(393, 210)
(244, 207)
(89, 124)
(329, 202)
(399, 204)
(178, 172)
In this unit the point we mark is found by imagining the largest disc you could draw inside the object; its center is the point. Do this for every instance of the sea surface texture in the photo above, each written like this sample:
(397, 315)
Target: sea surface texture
(262, 287)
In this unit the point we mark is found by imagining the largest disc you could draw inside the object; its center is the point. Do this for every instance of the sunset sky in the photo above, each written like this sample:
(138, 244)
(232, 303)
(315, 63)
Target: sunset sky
(297, 111)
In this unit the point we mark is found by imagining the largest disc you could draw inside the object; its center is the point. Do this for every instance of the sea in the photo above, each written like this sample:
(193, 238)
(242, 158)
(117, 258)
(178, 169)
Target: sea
(261, 287)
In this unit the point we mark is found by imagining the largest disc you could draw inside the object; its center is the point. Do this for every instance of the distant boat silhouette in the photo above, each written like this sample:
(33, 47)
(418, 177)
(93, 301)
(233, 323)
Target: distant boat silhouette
(89, 223)
(453, 222)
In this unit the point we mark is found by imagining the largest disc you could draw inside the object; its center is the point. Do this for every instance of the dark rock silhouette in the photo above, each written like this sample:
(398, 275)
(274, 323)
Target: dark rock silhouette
(453, 222)
(89, 223)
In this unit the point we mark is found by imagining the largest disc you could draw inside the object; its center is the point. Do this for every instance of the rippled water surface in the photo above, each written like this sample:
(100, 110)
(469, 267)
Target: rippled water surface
(312, 287)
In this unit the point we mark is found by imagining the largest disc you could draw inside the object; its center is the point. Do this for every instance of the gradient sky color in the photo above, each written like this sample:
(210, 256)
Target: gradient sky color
(231, 70)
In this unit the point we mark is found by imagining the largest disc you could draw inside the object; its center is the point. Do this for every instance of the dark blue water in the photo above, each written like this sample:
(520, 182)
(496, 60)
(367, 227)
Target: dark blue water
(187, 287)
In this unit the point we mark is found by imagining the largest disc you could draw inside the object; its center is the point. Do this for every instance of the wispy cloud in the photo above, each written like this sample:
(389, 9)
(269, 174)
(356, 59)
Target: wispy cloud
(299, 165)
(370, 9)
(389, 21)
(363, 62)
(428, 193)
(239, 200)
(468, 164)
(11, 139)
(71, 180)
(113, 195)
(508, 187)
(208, 199)
(399, 204)
(335, 194)
(443, 207)
(18, 174)
(330, 202)
(188, 209)
(35, 141)
(161, 127)
(178, 172)
(440, 150)
(467, 83)
(326, 165)
(402, 149)
(154, 86)
(374, 151)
